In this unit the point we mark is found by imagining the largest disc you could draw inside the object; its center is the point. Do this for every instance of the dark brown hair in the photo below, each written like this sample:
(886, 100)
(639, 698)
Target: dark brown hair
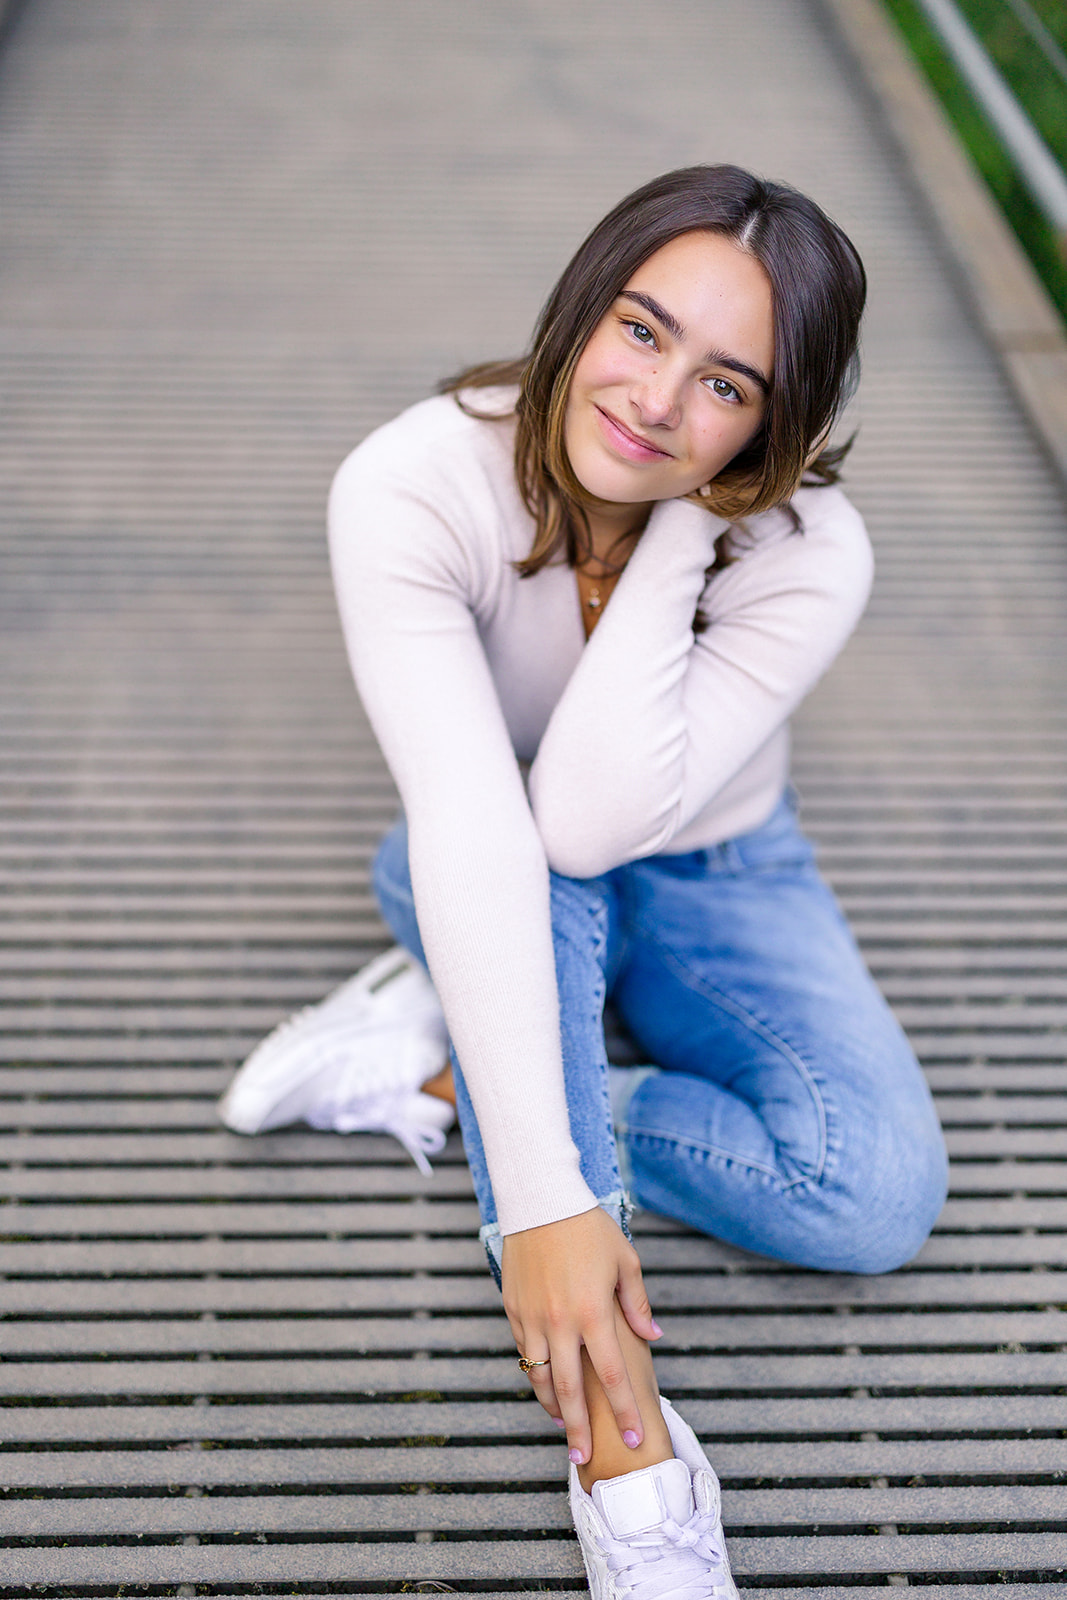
(818, 289)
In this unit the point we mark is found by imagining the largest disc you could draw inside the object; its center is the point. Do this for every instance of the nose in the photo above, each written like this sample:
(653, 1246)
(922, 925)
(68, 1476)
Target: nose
(658, 398)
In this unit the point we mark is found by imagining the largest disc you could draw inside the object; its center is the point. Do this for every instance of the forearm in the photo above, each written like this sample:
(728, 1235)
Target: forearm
(478, 867)
(656, 722)
(482, 902)
(610, 771)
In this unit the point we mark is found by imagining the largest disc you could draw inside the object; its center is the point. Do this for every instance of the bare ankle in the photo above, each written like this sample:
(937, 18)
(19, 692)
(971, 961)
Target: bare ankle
(611, 1456)
(442, 1085)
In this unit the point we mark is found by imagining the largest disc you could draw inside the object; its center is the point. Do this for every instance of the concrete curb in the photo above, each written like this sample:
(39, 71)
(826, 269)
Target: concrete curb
(1011, 303)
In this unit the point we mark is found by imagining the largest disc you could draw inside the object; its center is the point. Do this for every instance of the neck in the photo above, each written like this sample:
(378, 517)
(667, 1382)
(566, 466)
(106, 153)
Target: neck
(614, 528)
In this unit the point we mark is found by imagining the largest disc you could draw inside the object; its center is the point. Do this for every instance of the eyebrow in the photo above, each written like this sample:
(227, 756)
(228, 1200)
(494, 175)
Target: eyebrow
(717, 358)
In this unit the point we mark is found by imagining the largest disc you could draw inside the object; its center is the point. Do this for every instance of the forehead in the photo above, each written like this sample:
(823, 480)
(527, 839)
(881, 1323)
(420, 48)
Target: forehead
(705, 280)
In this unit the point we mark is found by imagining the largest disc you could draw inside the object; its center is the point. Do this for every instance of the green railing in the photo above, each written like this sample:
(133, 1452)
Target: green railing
(1000, 70)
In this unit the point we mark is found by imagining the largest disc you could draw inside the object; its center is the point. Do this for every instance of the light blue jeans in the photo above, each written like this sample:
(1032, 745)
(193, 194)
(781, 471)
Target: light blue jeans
(784, 1110)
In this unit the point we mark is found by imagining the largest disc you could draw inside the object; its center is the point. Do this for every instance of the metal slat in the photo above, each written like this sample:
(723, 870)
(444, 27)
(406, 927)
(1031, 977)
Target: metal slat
(695, 1292)
(456, 1558)
(92, 1148)
(719, 1419)
(487, 1374)
(335, 1513)
(246, 1335)
(355, 1181)
(312, 1256)
(795, 1460)
(952, 1591)
(357, 1218)
(133, 1258)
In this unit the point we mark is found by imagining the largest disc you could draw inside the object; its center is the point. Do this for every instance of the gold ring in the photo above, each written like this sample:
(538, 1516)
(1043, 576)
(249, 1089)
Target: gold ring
(528, 1366)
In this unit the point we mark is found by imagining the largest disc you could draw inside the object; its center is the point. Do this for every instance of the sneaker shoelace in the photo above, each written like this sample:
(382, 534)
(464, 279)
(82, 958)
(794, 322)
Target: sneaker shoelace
(391, 1108)
(384, 1113)
(682, 1556)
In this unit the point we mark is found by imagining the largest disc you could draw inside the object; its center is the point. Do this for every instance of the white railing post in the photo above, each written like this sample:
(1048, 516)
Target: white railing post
(1037, 166)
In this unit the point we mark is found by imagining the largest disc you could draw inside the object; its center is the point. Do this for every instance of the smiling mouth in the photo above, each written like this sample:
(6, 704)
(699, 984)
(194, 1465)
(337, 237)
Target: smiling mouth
(631, 444)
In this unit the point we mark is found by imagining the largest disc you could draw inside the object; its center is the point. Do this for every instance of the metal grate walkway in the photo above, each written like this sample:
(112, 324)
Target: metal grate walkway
(236, 236)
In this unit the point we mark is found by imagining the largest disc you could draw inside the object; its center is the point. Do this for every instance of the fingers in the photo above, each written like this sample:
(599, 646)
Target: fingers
(568, 1382)
(634, 1303)
(564, 1398)
(573, 1292)
(607, 1371)
(533, 1347)
(561, 1388)
(543, 1385)
(590, 1388)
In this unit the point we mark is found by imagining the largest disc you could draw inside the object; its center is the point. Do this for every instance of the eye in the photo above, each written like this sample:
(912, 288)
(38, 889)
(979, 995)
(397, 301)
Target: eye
(725, 390)
(641, 333)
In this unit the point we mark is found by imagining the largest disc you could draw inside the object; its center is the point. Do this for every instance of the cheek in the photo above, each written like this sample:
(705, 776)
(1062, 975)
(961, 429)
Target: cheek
(715, 441)
(603, 362)
(722, 437)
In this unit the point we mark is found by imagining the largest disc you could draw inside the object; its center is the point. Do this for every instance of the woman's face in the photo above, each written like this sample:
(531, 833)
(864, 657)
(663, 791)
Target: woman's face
(675, 378)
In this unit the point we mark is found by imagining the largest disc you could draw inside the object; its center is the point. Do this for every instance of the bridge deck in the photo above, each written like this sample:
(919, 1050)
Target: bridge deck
(235, 237)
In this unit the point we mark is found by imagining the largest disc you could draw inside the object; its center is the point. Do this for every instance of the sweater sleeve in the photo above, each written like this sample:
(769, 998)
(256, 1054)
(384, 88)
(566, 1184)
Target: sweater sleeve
(478, 867)
(656, 721)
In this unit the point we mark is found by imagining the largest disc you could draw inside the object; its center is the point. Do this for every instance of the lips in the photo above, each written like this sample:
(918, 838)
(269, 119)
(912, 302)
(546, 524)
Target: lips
(624, 443)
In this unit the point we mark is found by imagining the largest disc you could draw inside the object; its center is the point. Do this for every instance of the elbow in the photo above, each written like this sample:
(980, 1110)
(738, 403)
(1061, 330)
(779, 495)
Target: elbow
(578, 858)
(572, 848)
(596, 817)
(587, 846)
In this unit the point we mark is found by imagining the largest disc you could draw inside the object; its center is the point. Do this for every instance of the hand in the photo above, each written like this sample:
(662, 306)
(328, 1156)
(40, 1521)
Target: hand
(561, 1283)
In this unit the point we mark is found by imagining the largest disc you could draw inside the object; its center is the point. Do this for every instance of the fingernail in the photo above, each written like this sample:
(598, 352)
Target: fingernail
(575, 1456)
(656, 1329)
(559, 1422)
(630, 1439)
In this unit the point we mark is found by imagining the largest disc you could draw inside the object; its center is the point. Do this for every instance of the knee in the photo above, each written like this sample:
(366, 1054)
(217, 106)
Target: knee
(890, 1213)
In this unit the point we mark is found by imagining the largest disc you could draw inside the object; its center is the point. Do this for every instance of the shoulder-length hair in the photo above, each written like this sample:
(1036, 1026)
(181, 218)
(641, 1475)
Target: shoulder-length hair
(818, 290)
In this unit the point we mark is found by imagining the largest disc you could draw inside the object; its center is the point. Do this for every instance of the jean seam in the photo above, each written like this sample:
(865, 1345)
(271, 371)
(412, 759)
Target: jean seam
(756, 1025)
(600, 916)
(727, 1158)
(778, 864)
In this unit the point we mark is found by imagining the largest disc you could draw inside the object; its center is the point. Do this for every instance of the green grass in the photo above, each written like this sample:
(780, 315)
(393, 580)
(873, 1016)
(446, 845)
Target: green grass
(1039, 90)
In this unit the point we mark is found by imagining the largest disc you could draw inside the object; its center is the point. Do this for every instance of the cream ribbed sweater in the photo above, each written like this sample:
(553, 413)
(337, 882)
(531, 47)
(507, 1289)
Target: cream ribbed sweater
(644, 739)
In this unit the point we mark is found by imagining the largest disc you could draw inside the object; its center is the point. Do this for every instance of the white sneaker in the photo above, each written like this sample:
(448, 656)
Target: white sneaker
(656, 1534)
(353, 1063)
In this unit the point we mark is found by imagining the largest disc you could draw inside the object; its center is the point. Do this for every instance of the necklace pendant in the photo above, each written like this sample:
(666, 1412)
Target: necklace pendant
(594, 601)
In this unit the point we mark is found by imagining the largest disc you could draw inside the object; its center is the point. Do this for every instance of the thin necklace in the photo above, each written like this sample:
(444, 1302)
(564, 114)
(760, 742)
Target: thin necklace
(594, 599)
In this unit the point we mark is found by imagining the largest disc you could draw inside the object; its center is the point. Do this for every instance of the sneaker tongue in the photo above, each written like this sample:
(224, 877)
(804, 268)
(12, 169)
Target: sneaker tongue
(639, 1501)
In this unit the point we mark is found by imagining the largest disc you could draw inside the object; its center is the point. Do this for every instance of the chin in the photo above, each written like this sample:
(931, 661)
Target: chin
(610, 492)
(613, 483)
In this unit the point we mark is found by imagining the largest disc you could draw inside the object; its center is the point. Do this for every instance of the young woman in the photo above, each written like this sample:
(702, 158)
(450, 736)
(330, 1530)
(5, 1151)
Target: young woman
(582, 594)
